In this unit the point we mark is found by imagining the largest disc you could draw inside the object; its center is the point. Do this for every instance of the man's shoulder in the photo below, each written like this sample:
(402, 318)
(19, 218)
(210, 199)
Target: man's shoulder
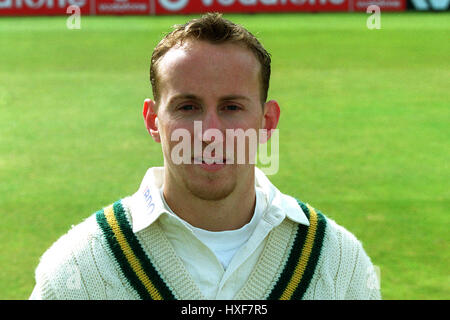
(81, 237)
(70, 245)
(334, 233)
(339, 234)
(80, 265)
(334, 242)
(82, 253)
(345, 263)
(338, 244)
(338, 239)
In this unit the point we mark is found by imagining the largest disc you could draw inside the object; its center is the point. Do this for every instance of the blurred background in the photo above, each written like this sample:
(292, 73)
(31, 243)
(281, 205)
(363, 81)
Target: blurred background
(364, 129)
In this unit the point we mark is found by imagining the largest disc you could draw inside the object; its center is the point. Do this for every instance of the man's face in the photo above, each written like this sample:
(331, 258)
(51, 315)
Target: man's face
(218, 86)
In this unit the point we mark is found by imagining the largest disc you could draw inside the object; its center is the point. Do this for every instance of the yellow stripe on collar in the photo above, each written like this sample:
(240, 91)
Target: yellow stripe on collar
(304, 258)
(130, 256)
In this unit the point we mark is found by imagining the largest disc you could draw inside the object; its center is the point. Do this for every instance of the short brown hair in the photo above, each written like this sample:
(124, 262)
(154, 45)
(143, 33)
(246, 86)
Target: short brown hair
(212, 27)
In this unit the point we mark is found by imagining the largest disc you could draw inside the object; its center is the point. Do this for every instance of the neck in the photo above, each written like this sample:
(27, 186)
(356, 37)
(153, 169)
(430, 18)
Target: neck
(229, 213)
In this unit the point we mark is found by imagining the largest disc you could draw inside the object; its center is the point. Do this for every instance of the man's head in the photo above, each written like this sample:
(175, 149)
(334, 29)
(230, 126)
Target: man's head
(212, 78)
(212, 28)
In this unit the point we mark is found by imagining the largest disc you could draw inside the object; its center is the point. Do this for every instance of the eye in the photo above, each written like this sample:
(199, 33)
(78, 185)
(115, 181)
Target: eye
(232, 107)
(187, 107)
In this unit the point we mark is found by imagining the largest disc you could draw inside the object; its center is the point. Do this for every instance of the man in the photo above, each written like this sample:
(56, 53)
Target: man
(210, 226)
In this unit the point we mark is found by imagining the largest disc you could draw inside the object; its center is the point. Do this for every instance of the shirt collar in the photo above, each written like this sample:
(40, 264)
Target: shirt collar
(283, 204)
(146, 205)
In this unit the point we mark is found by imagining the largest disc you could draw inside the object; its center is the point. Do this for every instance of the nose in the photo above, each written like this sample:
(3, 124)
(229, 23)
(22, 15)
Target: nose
(211, 120)
(211, 127)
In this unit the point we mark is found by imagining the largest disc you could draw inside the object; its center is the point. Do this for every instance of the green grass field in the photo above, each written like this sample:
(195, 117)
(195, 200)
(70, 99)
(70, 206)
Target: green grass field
(364, 131)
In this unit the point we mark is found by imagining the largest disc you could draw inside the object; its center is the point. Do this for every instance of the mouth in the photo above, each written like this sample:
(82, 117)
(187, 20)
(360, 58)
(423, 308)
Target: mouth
(210, 164)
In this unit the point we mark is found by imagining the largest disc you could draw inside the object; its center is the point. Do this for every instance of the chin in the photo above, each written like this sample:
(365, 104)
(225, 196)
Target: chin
(210, 194)
(210, 186)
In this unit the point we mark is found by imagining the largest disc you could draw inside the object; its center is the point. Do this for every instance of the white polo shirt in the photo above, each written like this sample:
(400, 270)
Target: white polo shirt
(225, 244)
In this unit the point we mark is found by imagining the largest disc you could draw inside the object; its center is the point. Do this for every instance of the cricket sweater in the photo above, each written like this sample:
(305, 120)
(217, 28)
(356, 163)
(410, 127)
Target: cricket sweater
(123, 252)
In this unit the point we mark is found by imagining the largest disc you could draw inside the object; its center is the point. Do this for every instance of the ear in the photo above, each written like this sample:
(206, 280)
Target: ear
(151, 119)
(271, 117)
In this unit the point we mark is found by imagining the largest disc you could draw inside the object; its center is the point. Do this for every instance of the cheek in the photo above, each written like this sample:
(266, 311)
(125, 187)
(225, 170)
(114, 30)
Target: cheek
(173, 132)
(253, 122)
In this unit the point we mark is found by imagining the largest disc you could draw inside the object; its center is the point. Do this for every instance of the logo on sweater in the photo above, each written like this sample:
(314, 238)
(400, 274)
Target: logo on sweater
(73, 280)
(149, 200)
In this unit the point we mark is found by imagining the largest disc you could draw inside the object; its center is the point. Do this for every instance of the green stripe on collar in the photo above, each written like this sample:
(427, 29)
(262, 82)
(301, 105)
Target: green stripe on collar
(128, 252)
(303, 257)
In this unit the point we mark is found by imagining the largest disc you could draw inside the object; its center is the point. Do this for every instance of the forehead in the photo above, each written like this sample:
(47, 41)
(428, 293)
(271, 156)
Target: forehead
(201, 67)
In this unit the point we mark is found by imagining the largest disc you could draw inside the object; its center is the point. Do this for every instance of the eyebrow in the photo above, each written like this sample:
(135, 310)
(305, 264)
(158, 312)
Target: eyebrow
(197, 98)
(234, 97)
(183, 96)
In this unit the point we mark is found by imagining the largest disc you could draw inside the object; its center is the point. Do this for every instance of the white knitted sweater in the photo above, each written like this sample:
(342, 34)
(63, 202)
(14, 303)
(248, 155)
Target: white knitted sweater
(80, 266)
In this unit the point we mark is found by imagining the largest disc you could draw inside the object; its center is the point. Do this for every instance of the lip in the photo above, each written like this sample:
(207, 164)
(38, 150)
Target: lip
(211, 166)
